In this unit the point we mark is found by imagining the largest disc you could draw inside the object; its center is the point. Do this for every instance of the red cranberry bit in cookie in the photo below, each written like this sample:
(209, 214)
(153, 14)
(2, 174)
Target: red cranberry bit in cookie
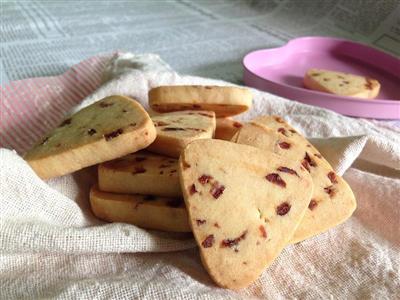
(284, 145)
(332, 177)
(279, 120)
(233, 242)
(113, 134)
(217, 190)
(330, 191)
(282, 130)
(276, 179)
(185, 165)
(370, 84)
(196, 106)
(216, 225)
(91, 131)
(65, 122)
(237, 124)
(292, 131)
(192, 189)
(138, 170)
(203, 179)
(173, 129)
(208, 241)
(307, 162)
(313, 204)
(263, 231)
(105, 104)
(283, 208)
(200, 222)
(287, 170)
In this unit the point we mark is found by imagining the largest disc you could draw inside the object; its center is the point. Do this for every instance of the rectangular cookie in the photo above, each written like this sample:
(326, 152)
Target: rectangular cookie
(223, 100)
(141, 173)
(146, 211)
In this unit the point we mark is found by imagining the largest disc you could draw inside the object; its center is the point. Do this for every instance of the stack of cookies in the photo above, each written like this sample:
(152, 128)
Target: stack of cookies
(245, 191)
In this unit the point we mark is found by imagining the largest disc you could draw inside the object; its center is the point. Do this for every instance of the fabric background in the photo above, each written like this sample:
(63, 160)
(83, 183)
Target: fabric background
(52, 246)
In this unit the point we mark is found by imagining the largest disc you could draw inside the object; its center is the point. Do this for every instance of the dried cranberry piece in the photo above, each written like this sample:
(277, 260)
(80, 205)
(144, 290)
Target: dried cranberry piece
(139, 170)
(276, 179)
(203, 179)
(284, 145)
(307, 162)
(65, 122)
(292, 131)
(196, 106)
(208, 241)
(217, 190)
(216, 225)
(105, 104)
(279, 120)
(369, 85)
(330, 191)
(91, 131)
(332, 177)
(192, 189)
(173, 129)
(233, 242)
(200, 222)
(263, 231)
(113, 134)
(237, 124)
(185, 165)
(283, 208)
(282, 130)
(313, 204)
(287, 170)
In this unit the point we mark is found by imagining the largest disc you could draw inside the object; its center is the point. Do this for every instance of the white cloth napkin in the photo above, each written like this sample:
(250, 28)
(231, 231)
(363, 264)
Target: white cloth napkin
(52, 246)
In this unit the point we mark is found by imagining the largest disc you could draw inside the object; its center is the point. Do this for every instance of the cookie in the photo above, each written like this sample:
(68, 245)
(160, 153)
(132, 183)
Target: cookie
(110, 128)
(243, 206)
(152, 212)
(177, 129)
(226, 128)
(223, 100)
(342, 84)
(332, 201)
(141, 173)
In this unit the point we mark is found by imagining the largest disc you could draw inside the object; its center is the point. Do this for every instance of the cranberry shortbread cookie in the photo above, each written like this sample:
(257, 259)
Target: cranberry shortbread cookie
(332, 201)
(226, 128)
(152, 212)
(342, 84)
(141, 173)
(177, 129)
(108, 129)
(223, 100)
(243, 205)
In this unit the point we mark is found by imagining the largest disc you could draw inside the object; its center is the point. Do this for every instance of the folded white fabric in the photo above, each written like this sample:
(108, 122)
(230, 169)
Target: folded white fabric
(52, 246)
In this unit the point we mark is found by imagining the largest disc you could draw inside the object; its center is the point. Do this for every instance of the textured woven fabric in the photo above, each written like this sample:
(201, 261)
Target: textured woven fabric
(52, 246)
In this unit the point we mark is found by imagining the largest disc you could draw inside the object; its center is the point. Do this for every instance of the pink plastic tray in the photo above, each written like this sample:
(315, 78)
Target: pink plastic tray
(281, 71)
